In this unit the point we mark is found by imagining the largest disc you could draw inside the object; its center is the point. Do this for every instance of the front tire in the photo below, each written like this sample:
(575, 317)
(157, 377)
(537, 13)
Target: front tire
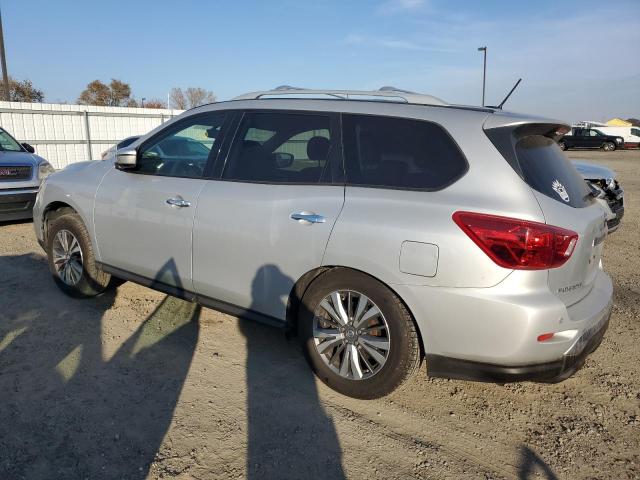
(563, 146)
(608, 146)
(71, 259)
(357, 335)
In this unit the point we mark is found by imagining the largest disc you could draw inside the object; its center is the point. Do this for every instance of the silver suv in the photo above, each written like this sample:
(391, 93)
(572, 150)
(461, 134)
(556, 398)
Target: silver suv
(383, 227)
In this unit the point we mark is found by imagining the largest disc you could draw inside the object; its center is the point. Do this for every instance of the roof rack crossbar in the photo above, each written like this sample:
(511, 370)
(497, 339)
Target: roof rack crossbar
(385, 93)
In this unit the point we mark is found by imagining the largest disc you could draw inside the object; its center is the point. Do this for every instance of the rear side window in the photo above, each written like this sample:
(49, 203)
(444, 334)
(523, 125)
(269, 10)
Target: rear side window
(400, 153)
(546, 169)
(281, 148)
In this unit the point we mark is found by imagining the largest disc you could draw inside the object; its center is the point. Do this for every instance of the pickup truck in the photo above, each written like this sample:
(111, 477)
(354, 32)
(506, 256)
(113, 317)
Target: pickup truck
(590, 138)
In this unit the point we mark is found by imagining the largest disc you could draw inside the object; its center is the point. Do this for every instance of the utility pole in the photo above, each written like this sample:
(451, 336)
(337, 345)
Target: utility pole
(484, 71)
(3, 60)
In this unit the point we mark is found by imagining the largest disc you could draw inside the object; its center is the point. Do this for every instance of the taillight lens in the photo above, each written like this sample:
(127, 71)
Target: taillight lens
(518, 244)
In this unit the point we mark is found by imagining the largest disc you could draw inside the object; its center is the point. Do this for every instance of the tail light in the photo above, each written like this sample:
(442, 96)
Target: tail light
(518, 244)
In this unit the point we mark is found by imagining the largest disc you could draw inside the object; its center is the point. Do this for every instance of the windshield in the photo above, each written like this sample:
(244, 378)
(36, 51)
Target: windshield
(7, 143)
(635, 131)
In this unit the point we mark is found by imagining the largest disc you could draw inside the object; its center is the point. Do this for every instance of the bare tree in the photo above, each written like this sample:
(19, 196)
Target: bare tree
(197, 96)
(190, 98)
(178, 99)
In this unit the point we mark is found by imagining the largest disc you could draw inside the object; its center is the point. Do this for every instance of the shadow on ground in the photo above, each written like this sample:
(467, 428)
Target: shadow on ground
(67, 412)
(290, 435)
(531, 465)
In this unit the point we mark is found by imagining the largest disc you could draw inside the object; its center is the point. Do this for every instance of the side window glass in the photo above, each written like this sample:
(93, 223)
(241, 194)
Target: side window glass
(184, 150)
(400, 153)
(280, 148)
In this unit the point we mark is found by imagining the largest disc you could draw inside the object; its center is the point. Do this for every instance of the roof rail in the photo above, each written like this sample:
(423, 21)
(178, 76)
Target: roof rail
(385, 94)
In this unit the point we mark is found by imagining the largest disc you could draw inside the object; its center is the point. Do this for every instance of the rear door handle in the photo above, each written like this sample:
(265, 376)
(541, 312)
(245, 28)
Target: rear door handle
(307, 217)
(178, 202)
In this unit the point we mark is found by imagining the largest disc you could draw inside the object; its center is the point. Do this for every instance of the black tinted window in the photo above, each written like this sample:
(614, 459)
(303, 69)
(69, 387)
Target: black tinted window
(183, 149)
(126, 142)
(546, 169)
(280, 148)
(400, 153)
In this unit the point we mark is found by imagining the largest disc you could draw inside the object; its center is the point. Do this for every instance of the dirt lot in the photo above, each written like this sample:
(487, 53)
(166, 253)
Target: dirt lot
(136, 384)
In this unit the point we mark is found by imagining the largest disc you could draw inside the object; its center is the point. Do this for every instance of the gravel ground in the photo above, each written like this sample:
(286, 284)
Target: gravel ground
(136, 384)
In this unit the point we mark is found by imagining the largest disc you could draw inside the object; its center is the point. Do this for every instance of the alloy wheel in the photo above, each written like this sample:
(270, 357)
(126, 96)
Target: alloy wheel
(67, 257)
(351, 334)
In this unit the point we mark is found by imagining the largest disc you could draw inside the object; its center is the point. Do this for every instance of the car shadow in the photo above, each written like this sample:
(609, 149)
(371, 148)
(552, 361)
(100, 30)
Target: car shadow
(290, 435)
(531, 465)
(70, 409)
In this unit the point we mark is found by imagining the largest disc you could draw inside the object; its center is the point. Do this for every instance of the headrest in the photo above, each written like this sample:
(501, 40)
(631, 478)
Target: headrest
(318, 148)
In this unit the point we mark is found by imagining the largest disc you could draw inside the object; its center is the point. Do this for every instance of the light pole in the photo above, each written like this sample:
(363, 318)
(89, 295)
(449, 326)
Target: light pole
(484, 71)
(143, 99)
(3, 60)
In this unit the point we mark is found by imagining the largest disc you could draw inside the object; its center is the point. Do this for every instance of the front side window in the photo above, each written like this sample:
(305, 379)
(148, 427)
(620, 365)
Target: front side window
(280, 148)
(400, 153)
(183, 151)
(7, 143)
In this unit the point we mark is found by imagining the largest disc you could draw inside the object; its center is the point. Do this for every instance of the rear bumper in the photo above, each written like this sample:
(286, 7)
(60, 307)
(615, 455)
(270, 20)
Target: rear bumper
(495, 330)
(550, 372)
(17, 204)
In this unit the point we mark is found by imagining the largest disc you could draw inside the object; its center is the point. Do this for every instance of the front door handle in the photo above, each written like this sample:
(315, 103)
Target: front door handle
(178, 202)
(307, 218)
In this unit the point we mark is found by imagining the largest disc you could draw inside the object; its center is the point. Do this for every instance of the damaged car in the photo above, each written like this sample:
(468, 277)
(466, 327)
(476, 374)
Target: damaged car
(607, 191)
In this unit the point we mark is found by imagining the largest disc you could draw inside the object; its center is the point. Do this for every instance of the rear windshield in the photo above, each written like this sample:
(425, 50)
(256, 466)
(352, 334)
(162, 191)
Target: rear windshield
(546, 169)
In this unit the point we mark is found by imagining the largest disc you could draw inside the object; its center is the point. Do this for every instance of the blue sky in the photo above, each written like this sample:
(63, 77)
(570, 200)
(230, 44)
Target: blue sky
(579, 60)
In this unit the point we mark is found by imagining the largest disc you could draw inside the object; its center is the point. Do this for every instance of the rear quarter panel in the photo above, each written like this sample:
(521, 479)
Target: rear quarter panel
(374, 223)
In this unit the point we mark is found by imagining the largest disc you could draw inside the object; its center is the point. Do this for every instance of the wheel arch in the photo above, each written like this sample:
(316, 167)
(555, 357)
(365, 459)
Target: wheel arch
(52, 211)
(305, 281)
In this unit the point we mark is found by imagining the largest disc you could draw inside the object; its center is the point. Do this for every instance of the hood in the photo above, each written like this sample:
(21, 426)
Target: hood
(19, 158)
(591, 171)
(75, 166)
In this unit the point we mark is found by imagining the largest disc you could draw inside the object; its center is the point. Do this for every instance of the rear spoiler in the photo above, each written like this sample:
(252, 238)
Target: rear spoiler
(504, 137)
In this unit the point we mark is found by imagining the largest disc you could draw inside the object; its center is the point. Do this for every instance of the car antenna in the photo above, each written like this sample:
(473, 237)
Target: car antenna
(499, 107)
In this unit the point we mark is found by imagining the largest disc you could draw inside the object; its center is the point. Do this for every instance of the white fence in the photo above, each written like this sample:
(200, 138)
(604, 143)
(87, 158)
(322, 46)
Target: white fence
(65, 134)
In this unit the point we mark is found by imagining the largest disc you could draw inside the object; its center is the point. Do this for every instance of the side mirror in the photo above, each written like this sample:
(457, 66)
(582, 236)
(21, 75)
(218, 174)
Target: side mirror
(28, 148)
(126, 159)
(283, 159)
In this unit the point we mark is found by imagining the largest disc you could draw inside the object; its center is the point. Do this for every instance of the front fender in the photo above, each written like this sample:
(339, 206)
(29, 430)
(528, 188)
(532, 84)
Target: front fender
(73, 187)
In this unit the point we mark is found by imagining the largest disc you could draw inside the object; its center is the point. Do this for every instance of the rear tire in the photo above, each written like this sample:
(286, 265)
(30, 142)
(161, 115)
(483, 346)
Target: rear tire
(608, 146)
(563, 146)
(375, 346)
(71, 259)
